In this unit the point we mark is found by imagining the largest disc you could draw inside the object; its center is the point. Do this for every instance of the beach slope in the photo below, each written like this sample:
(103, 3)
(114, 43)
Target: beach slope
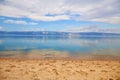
(14, 69)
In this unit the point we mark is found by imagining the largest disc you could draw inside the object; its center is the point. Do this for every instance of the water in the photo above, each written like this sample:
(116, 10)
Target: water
(33, 47)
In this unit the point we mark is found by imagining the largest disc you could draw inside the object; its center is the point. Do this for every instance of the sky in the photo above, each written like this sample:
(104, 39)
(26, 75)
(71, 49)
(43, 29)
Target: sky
(60, 15)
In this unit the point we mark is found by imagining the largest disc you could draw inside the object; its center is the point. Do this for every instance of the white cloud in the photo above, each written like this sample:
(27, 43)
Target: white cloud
(82, 29)
(20, 22)
(49, 18)
(32, 23)
(113, 20)
(93, 28)
(92, 10)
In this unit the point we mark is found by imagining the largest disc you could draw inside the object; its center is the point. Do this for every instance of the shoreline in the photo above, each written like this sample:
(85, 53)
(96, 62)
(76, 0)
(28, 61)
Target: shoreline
(57, 55)
(65, 59)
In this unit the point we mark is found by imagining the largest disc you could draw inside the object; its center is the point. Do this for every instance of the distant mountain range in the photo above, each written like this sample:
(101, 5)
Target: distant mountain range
(64, 34)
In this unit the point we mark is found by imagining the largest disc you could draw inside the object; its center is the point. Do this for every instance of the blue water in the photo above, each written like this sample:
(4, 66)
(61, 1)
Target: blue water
(72, 45)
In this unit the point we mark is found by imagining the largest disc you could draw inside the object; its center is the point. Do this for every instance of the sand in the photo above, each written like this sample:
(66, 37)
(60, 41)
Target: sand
(15, 69)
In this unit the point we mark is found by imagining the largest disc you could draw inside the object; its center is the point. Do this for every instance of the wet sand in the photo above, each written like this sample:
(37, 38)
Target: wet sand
(49, 69)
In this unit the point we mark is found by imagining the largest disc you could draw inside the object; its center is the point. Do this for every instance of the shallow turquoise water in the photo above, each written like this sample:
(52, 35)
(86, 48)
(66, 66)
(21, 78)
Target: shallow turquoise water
(74, 46)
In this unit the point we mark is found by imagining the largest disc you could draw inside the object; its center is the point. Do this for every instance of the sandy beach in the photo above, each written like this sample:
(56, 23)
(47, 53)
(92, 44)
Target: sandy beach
(18, 69)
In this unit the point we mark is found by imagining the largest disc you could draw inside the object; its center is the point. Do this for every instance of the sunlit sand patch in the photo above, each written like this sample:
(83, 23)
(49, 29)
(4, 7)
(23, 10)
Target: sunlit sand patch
(16, 69)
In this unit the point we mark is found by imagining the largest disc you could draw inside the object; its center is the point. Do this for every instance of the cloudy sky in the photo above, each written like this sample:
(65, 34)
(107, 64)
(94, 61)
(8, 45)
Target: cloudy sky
(60, 15)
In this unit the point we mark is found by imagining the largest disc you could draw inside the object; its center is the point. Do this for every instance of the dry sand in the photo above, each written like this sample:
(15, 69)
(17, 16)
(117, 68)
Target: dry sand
(14, 69)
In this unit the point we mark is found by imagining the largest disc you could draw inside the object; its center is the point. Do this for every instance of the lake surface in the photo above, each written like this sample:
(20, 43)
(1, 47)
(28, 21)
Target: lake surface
(44, 46)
